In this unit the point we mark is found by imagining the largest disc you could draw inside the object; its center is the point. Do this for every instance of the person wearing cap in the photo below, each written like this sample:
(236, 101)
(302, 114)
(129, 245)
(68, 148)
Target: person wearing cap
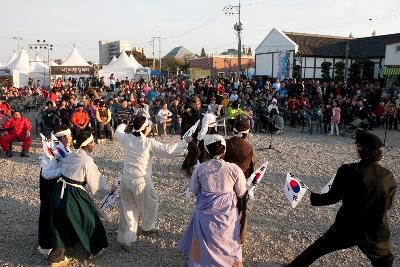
(367, 191)
(73, 214)
(241, 152)
(50, 171)
(138, 196)
(80, 120)
(274, 104)
(212, 236)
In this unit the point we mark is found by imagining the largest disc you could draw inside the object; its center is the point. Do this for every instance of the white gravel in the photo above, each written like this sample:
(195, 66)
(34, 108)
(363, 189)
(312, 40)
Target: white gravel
(277, 233)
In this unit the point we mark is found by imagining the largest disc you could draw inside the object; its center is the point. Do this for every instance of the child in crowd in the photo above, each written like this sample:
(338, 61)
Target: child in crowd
(335, 118)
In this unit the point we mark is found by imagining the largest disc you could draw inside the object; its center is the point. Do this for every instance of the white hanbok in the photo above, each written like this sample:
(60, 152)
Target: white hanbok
(138, 195)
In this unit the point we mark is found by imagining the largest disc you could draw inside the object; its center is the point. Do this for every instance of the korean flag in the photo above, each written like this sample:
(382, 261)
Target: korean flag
(294, 189)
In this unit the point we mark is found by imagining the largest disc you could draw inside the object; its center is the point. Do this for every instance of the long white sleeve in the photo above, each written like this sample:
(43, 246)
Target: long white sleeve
(120, 134)
(165, 150)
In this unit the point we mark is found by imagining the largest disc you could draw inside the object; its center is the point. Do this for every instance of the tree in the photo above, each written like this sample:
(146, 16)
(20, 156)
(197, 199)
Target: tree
(355, 72)
(326, 67)
(368, 70)
(297, 72)
(141, 58)
(249, 52)
(203, 52)
(339, 71)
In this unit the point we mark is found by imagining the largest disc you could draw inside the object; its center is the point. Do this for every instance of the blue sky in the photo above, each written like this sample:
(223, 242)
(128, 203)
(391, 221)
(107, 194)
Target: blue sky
(193, 24)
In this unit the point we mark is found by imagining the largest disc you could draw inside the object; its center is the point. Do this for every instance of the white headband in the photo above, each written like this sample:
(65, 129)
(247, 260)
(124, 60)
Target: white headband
(87, 141)
(145, 124)
(63, 133)
(240, 133)
(212, 138)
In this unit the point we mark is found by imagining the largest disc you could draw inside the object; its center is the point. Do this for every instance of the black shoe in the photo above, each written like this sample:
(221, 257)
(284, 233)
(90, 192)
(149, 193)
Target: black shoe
(24, 154)
(9, 154)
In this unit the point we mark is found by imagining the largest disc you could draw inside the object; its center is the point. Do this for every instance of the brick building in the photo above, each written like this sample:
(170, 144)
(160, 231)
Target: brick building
(219, 65)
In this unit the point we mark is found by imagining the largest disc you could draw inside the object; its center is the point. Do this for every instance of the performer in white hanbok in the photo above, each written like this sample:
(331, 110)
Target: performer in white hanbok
(50, 170)
(73, 214)
(138, 195)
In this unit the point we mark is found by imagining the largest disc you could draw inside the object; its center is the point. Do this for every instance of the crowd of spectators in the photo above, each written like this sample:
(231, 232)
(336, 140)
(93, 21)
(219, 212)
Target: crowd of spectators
(266, 104)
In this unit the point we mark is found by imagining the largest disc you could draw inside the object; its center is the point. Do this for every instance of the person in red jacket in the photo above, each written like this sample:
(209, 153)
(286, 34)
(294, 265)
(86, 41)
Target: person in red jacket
(293, 107)
(19, 128)
(5, 109)
(80, 120)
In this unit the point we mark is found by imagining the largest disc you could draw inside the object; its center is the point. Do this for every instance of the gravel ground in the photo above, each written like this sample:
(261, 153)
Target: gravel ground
(277, 233)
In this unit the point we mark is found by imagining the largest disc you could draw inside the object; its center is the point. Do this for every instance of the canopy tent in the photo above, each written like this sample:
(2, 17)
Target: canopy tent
(12, 58)
(123, 67)
(21, 63)
(39, 70)
(52, 63)
(112, 61)
(1, 65)
(74, 60)
(136, 64)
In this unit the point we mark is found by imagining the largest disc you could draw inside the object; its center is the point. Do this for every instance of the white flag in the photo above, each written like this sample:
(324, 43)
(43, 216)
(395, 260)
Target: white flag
(112, 197)
(327, 187)
(191, 130)
(294, 189)
(255, 178)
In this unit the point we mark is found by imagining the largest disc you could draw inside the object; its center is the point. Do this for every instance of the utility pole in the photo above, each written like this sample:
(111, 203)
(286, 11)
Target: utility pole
(346, 64)
(154, 58)
(238, 27)
(47, 47)
(18, 39)
(159, 50)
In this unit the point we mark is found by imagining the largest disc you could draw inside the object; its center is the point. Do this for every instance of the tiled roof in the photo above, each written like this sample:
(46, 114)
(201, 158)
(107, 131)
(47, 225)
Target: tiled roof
(335, 46)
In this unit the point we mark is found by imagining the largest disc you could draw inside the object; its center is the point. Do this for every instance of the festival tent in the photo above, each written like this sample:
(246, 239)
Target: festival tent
(136, 64)
(1, 65)
(123, 67)
(52, 63)
(39, 70)
(74, 59)
(12, 58)
(112, 61)
(20, 69)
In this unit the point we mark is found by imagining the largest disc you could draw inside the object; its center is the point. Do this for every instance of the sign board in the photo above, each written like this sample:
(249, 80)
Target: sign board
(5, 72)
(73, 70)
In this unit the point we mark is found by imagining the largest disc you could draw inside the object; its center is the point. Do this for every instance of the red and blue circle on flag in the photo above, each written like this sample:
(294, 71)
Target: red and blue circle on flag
(295, 186)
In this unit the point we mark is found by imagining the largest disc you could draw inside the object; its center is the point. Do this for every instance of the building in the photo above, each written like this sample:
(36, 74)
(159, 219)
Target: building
(180, 53)
(279, 52)
(107, 50)
(219, 66)
(391, 71)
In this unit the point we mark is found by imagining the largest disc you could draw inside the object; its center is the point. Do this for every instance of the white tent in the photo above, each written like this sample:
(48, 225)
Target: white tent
(123, 67)
(21, 63)
(135, 63)
(1, 65)
(112, 61)
(75, 59)
(39, 70)
(12, 58)
(52, 63)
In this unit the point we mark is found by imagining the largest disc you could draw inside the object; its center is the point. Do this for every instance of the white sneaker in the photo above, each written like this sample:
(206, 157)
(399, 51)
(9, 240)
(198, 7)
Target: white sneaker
(44, 252)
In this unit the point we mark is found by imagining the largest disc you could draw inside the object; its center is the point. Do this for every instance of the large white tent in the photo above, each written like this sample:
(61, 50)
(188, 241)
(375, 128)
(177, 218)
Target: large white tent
(1, 65)
(12, 58)
(123, 67)
(39, 70)
(135, 63)
(74, 59)
(112, 61)
(21, 63)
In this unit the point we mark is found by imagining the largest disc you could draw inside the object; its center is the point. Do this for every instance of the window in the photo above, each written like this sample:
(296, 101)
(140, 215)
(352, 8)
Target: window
(233, 75)
(397, 48)
(221, 74)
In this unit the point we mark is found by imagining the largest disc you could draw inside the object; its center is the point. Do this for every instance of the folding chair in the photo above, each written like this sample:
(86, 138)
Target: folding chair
(221, 123)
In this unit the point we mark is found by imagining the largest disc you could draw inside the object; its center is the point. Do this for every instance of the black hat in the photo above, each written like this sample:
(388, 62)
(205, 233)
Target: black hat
(368, 140)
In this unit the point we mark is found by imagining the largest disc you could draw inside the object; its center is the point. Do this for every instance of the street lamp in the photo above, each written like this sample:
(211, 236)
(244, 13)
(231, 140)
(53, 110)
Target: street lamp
(47, 47)
(238, 27)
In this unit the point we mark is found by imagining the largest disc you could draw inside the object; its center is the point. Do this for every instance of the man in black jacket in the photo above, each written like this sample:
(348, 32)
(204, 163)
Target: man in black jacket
(366, 190)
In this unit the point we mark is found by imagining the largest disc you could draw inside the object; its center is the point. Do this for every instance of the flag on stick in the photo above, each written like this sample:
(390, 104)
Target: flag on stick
(191, 130)
(294, 189)
(112, 197)
(327, 187)
(255, 178)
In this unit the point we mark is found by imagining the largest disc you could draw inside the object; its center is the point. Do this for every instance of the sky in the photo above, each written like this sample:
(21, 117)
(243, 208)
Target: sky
(188, 23)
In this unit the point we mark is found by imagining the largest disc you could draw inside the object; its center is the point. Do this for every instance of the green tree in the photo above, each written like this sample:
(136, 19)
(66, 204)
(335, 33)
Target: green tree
(339, 71)
(326, 67)
(297, 72)
(203, 52)
(368, 70)
(355, 72)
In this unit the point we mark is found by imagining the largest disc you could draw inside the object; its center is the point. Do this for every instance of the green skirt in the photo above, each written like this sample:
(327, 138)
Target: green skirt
(74, 218)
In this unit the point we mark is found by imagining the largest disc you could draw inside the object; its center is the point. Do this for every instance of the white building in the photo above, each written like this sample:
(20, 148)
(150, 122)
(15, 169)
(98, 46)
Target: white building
(392, 60)
(280, 51)
(107, 50)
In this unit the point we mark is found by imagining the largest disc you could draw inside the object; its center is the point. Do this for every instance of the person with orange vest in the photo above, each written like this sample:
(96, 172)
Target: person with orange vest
(18, 128)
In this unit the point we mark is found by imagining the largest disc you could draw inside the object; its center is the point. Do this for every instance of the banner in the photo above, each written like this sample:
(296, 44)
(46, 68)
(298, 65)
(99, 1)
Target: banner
(192, 129)
(112, 197)
(294, 189)
(78, 70)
